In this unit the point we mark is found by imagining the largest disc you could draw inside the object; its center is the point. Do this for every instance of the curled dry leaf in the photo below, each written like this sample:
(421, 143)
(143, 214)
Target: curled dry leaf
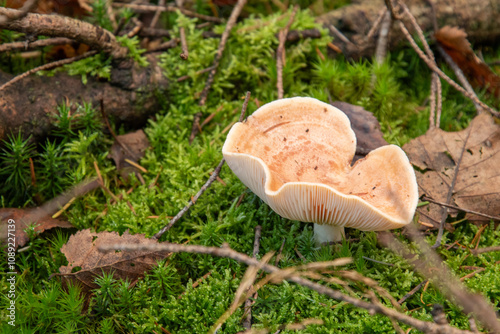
(85, 262)
(436, 154)
(454, 42)
(23, 218)
(130, 146)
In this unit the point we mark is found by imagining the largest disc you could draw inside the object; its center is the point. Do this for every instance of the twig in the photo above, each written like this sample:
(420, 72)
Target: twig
(375, 25)
(185, 77)
(485, 250)
(182, 32)
(430, 265)
(450, 193)
(379, 262)
(27, 45)
(46, 67)
(111, 14)
(412, 292)
(165, 46)
(280, 53)
(226, 252)
(339, 35)
(278, 255)
(218, 56)
(428, 199)
(433, 66)
(460, 76)
(210, 180)
(152, 8)
(22, 12)
(154, 21)
(381, 48)
(62, 26)
(247, 323)
(196, 126)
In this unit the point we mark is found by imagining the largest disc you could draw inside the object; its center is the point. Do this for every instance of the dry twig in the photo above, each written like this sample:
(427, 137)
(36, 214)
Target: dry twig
(27, 45)
(63, 26)
(154, 9)
(46, 67)
(226, 252)
(247, 323)
(280, 53)
(430, 62)
(182, 32)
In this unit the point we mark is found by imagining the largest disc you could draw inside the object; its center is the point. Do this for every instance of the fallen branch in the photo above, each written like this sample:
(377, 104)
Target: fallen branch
(226, 252)
(62, 26)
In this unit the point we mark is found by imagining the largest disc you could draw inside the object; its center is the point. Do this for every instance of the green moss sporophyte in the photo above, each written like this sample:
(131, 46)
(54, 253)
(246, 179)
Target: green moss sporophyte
(296, 154)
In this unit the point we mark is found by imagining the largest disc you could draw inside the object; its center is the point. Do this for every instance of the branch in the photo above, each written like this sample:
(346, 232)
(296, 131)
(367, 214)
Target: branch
(62, 26)
(226, 252)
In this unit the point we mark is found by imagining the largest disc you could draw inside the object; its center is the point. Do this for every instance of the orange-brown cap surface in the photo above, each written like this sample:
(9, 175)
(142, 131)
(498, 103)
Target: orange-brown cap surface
(296, 155)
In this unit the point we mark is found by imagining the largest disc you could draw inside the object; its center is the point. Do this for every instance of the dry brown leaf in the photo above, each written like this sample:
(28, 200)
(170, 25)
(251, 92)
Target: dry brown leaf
(23, 218)
(454, 42)
(365, 126)
(477, 188)
(85, 262)
(133, 146)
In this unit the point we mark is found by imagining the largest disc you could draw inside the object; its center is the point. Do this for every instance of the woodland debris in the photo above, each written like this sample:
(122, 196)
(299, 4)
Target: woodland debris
(454, 42)
(225, 251)
(436, 154)
(62, 26)
(129, 147)
(41, 215)
(85, 262)
(129, 98)
(43, 223)
(478, 18)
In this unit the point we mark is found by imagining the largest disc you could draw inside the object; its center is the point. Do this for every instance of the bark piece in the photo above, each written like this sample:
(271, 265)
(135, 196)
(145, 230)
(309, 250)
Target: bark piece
(477, 188)
(129, 98)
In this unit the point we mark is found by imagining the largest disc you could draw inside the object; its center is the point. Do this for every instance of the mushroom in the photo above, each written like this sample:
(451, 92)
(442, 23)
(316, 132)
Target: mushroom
(296, 155)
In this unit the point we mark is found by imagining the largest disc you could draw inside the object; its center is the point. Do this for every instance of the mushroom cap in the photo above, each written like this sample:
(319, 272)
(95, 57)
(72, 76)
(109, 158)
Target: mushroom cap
(296, 154)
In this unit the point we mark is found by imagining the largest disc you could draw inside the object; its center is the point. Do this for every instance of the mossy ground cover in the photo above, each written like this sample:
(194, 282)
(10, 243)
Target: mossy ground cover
(166, 296)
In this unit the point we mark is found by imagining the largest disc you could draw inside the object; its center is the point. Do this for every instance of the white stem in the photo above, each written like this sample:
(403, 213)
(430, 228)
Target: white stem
(328, 233)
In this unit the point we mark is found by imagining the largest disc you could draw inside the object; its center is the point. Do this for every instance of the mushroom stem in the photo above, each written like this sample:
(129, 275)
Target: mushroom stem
(328, 233)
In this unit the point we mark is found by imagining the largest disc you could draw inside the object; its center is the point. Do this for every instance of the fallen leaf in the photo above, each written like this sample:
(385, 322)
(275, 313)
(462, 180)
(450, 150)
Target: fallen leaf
(85, 262)
(435, 156)
(130, 146)
(454, 42)
(23, 218)
(365, 126)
